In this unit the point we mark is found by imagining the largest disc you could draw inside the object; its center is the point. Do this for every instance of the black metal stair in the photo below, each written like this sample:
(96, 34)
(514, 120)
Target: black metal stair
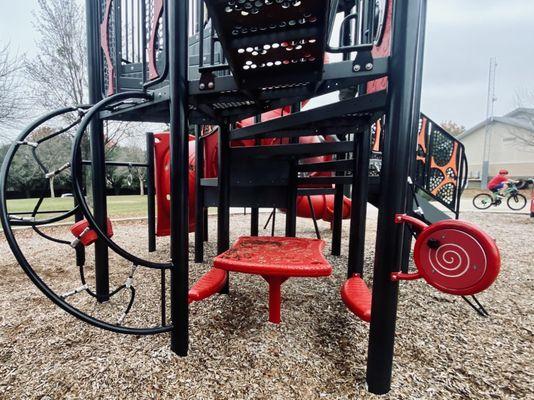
(291, 150)
(269, 43)
(345, 115)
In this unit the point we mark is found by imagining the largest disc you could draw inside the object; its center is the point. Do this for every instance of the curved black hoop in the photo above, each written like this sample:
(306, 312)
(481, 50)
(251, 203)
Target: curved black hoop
(26, 266)
(77, 186)
(20, 141)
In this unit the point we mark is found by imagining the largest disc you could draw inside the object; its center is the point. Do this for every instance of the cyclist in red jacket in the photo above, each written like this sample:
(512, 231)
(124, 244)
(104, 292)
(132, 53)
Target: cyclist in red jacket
(499, 183)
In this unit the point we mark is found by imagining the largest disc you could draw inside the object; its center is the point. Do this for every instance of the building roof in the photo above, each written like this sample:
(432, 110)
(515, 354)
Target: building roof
(513, 118)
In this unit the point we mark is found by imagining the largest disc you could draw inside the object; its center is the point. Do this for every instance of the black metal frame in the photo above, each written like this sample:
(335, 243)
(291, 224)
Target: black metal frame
(198, 89)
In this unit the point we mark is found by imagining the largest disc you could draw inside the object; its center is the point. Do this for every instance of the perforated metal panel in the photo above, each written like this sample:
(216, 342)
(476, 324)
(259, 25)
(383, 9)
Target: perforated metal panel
(271, 42)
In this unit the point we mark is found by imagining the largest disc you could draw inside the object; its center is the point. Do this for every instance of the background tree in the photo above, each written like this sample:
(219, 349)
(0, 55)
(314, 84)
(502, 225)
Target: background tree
(58, 72)
(124, 178)
(54, 153)
(525, 137)
(12, 106)
(453, 128)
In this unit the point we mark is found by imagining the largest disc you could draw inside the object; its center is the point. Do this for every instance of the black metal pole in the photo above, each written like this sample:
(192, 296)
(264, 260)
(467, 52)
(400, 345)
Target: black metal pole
(292, 188)
(98, 166)
(337, 223)
(404, 82)
(179, 152)
(223, 209)
(416, 115)
(314, 218)
(358, 216)
(150, 192)
(254, 221)
(206, 227)
(199, 199)
(78, 216)
(255, 211)
(273, 225)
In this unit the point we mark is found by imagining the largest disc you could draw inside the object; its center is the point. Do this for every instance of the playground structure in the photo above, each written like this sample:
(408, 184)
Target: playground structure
(240, 73)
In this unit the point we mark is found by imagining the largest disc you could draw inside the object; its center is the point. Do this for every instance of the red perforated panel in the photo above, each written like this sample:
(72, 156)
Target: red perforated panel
(275, 256)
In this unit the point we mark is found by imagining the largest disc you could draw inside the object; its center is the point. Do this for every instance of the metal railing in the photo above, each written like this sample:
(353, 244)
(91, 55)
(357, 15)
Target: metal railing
(133, 37)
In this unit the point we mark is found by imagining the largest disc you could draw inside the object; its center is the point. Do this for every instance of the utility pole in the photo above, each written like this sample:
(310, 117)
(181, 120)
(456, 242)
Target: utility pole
(490, 106)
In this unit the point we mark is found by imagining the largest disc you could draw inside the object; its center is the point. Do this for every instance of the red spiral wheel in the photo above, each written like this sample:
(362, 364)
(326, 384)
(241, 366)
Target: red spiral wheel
(457, 257)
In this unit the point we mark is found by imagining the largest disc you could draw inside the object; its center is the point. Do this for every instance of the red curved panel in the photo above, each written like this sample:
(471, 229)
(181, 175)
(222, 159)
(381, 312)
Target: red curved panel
(163, 183)
(383, 50)
(104, 39)
(154, 26)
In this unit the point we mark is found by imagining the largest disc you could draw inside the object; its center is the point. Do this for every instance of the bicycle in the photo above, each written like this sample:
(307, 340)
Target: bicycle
(515, 200)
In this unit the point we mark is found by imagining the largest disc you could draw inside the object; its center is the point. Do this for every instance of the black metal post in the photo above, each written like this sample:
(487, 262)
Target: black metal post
(337, 223)
(358, 216)
(199, 199)
(206, 227)
(254, 221)
(150, 192)
(416, 115)
(292, 188)
(223, 209)
(98, 167)
(404, 82)
(78, 216)
(254, 211)
(179, 152)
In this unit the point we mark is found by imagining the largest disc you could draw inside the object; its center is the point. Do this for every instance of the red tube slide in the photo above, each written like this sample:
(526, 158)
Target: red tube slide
(323, 205)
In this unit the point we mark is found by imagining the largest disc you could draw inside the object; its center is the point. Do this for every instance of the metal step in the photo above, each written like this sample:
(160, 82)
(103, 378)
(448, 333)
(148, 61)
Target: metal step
(336, 165)
(272, 42)
(325, 180)
(349, 113)
(291, 150)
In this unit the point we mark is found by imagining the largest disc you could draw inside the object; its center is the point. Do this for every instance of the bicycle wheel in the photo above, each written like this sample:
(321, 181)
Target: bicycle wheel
(517, 201)
(482, 201)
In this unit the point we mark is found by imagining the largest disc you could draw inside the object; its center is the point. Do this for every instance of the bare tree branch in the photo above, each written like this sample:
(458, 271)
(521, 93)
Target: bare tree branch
(12, 104)
(58, 72)
(525, 136)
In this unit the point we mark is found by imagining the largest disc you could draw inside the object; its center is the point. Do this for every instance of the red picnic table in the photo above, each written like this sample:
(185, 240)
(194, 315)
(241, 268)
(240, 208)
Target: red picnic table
(276, 259)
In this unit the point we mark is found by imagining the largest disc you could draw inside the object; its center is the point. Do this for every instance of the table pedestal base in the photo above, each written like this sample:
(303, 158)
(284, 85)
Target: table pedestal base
(275, 296)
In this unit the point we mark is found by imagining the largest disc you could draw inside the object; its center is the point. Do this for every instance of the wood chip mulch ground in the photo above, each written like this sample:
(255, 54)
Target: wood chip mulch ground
(443, 349)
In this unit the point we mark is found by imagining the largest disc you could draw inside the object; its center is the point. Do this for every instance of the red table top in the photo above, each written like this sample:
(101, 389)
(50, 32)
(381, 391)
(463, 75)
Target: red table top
(275, 256)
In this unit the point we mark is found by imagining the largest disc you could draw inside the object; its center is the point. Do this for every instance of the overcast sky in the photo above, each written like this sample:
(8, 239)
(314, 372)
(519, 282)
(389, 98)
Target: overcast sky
(461, 37)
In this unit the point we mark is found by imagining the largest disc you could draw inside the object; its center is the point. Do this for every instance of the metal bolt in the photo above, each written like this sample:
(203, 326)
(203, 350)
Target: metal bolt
(356, 67)
(211, 85)
(369, 66)
(202, 86)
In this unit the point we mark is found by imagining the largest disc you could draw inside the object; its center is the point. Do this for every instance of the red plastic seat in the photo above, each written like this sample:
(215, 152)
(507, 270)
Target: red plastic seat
(275, 256)
(276, 259)
(357, 297)
(85, 235)
(209, 284)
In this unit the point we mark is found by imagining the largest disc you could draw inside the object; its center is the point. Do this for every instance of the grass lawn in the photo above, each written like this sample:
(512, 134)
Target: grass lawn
(118, 206)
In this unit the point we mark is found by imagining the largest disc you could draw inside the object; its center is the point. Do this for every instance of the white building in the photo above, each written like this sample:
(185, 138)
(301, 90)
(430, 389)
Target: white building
(509, 136)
